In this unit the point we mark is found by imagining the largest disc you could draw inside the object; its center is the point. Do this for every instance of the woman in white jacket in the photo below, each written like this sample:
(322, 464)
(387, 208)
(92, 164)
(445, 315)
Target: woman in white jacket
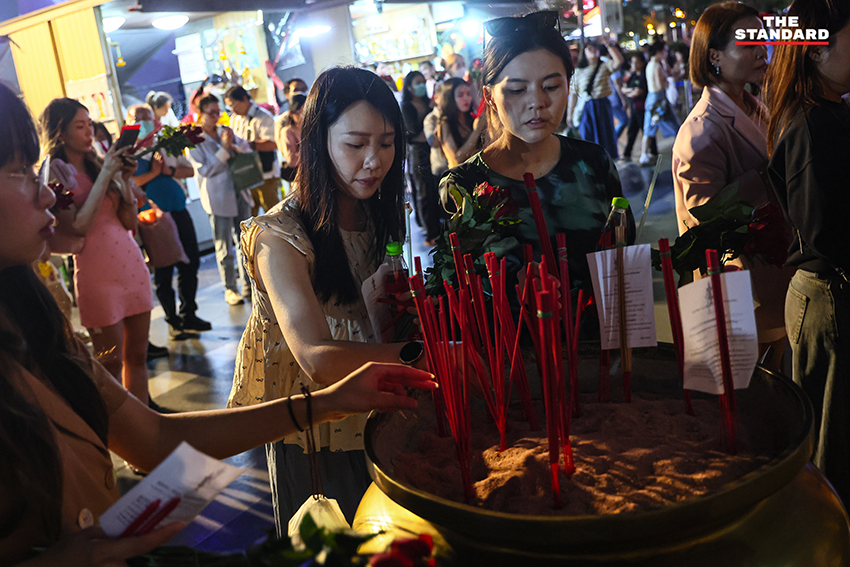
(225, 207)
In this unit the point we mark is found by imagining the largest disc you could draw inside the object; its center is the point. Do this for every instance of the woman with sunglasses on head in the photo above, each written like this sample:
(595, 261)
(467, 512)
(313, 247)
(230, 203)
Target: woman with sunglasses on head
(724, 141)
(808, 139)
(61, 413)
(307, 259)
(111, 281)
(527, 69)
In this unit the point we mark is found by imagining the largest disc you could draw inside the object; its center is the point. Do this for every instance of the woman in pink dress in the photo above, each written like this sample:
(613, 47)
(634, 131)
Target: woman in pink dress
(111, 280)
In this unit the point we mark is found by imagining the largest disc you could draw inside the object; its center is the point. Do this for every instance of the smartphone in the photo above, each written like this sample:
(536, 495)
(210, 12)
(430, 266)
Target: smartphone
(128, 137)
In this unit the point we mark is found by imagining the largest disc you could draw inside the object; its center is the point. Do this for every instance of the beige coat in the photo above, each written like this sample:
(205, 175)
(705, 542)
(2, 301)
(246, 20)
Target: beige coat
(716, 145)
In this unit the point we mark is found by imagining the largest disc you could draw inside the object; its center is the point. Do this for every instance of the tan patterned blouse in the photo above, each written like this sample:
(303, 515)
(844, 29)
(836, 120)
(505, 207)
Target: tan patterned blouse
(266, 368)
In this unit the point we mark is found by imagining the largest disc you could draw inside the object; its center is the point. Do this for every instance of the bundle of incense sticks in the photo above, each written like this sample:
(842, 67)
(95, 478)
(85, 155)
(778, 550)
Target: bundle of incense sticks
(567, 319)
(450, 373)
(727, 399)
(427, 324)
(625, 351)
(505, 336)
(675, 315)
(548, 376)
(540, 223)
(562, 403)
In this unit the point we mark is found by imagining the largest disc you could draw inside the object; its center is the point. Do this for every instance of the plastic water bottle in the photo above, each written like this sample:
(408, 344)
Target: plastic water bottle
(396, 281)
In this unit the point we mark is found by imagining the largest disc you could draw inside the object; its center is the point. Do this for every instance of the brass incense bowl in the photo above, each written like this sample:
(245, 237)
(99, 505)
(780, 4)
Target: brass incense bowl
(783, 514)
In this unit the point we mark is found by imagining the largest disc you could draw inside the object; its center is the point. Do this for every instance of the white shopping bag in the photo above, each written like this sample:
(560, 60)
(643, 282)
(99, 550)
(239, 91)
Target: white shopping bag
(325, 513)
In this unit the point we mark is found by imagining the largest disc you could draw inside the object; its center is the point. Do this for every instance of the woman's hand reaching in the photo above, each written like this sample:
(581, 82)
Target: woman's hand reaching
(92, 548)
(372, 386)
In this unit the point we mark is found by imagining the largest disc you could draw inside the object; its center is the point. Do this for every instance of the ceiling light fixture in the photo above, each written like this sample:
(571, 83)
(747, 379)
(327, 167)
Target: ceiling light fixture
(311, 31)
(112, 23)
(168, 23)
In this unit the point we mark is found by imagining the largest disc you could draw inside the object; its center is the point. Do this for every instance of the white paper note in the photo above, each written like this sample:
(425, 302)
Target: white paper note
(640, 312)
(374, 289)
(702, 350)
(186, 473)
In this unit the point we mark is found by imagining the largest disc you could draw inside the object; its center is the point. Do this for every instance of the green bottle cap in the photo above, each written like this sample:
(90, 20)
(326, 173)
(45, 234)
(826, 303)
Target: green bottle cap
(620, 203)
(395, 248)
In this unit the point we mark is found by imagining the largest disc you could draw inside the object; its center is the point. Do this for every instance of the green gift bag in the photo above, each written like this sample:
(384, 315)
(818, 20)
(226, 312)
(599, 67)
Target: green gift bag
(246, 171)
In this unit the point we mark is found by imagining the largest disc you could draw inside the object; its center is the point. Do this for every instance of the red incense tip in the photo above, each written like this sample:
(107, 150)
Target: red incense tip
(663, 245)
(529, 180)
(453, 239)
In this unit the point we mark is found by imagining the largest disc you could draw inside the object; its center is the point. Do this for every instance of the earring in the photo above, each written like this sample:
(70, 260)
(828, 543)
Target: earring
(716, 69)
(379, 192)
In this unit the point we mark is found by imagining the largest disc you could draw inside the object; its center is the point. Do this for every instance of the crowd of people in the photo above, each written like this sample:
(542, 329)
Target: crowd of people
(302, 260)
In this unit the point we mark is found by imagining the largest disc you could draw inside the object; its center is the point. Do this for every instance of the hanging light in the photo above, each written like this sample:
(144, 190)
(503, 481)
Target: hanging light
(168, 23)
(112, 23)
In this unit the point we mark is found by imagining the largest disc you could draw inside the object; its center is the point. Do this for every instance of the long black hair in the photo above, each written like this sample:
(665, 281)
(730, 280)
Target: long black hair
(407, 95)
(450, 114)
(35, 335)
(333, 92)
(54, 121)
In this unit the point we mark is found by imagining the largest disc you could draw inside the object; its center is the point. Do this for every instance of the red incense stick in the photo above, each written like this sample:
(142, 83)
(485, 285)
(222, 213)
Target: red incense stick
(141, 518)
(509, 340)
(455, 245)
(158, 517)
(728, 397)
(675, 316)
(540, 223)
(544, 316)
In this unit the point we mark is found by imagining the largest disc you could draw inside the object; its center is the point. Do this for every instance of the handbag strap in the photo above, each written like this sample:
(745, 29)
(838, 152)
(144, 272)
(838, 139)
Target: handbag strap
(593, 79)
(315, 471)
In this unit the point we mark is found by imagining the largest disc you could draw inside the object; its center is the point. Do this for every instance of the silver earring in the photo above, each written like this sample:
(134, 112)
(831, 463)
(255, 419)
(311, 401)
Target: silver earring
(716, 69)
(379, 192)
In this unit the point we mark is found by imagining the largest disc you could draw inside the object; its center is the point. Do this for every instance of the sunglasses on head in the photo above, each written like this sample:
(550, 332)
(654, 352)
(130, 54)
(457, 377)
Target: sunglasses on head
(536, 21)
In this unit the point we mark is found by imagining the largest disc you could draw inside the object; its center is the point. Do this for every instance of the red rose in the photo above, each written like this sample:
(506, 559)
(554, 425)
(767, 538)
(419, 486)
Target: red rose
(390, 560)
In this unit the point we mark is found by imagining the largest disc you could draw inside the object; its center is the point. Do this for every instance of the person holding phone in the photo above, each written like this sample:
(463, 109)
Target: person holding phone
(111, 280)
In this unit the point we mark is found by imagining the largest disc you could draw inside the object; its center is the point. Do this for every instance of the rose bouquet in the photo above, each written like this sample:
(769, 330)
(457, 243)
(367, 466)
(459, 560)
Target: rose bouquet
(321, 546)
(732, 227)
(172, 140)
(482, 223)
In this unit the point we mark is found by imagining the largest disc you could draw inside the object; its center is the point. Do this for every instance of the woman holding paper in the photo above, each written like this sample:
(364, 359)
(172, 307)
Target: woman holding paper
(308, 258)
(808, 144)
(61, 412)
(723, 142)
(527, 69)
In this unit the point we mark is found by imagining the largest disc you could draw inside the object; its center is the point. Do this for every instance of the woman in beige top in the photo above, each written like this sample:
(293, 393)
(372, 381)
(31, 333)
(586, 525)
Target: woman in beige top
(61, 412)
(308, 259)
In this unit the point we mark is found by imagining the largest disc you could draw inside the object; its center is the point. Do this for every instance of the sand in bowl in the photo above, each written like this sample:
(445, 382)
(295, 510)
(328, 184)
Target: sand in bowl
(637, 456)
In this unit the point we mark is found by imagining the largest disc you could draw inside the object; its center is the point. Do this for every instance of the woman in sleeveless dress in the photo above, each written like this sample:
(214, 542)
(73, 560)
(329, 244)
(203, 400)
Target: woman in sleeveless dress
(111, 279)
(308, 258)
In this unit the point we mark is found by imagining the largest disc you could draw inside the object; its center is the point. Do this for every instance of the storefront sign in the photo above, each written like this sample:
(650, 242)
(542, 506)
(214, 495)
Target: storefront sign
(94, 94)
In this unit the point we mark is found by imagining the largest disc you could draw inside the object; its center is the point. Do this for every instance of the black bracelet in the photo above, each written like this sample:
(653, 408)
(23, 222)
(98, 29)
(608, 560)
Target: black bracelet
(292, 414)
(307, 394)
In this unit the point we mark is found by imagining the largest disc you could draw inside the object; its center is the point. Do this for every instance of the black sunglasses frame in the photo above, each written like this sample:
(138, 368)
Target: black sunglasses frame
(535, 21)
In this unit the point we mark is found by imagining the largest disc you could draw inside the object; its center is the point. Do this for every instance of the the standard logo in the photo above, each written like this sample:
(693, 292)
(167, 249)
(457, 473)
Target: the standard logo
(782, 30)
